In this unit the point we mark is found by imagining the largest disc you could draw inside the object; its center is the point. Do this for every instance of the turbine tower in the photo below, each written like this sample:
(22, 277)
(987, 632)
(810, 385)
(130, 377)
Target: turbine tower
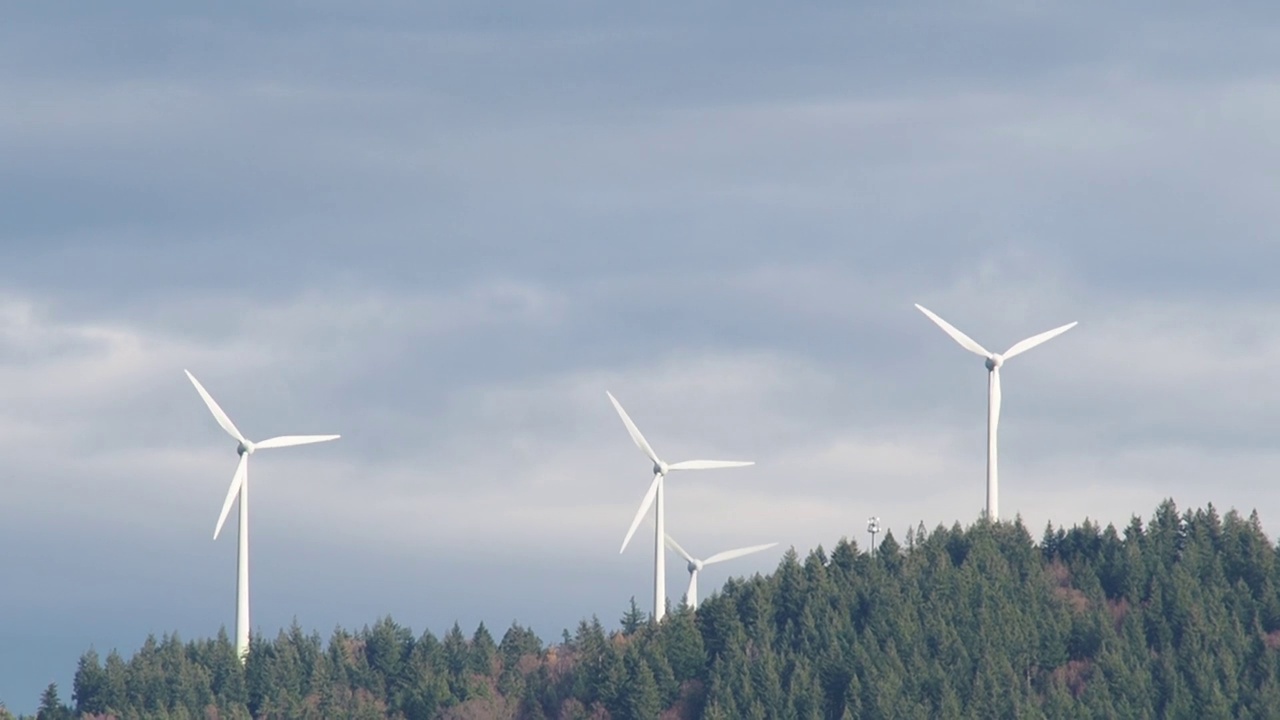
(240, 487)
(654, 497)
(994, 361)
(691, 595)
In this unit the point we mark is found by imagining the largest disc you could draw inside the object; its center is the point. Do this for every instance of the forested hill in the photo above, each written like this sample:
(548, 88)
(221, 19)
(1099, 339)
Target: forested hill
(1179, 618)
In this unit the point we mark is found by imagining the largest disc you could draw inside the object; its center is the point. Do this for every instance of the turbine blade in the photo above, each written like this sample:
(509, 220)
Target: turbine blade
(291, 440)
(709, 464)
(236, 481)
(1025, 345)
(635, 431)
(644, 508)
(218, 415)
(731, 554)
(965, 341)
(671, 543)
(691, 595)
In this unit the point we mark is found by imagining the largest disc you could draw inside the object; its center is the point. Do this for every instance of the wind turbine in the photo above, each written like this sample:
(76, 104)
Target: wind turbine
(660, 470)
(240, 487)
(691, 595)
(994, 361)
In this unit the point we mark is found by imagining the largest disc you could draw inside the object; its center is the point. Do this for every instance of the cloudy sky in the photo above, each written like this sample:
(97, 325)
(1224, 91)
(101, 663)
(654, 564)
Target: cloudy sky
(445, 230)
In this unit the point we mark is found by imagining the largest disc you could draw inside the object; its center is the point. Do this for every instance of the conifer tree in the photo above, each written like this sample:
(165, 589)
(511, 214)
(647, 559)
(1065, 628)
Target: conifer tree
(51, 707)
(89, 685)
(483, 652)
(634, 618)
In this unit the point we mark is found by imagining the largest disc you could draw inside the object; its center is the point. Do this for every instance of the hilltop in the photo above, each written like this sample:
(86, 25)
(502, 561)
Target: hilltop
(1175, 617)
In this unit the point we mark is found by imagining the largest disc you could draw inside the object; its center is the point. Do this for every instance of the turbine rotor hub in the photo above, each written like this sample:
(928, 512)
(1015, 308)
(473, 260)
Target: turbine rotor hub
(660, 468)
(695, 566)
(995, 361)
(244, 448)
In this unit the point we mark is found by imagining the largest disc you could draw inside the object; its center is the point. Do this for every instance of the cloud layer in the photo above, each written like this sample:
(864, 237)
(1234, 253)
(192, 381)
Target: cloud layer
(445, 235)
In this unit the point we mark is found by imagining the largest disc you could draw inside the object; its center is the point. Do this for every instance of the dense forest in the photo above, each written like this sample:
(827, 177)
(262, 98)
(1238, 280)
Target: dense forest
(1179, 618)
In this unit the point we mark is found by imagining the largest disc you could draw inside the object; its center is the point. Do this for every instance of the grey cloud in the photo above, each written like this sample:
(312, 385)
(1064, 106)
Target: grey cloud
(979, 180)
(444, 236)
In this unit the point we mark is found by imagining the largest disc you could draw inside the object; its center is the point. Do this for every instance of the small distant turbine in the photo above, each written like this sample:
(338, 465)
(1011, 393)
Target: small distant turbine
(695, 565)
(660, 470)
(873, 527)
(240, 487)
(994, 361)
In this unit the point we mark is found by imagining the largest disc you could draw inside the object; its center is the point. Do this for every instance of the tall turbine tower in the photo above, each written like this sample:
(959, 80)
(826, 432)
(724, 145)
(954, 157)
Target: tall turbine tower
(994, 361)
(654, 496)
(695, 565)
(240, 487)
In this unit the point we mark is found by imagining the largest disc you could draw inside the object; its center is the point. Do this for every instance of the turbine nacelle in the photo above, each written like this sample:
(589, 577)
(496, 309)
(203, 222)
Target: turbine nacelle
(695, 566)
(244, 448)
(994, 361)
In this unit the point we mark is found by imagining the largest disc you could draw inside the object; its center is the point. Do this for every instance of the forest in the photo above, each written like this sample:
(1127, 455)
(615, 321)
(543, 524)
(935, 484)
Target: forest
(1178, 617)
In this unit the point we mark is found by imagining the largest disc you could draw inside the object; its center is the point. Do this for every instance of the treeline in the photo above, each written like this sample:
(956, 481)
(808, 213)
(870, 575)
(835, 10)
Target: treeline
(1177, 618)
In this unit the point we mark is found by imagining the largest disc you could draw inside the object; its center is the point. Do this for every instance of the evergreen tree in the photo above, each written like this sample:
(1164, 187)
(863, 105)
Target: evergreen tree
(634, 618)
(683, 645)
(483, 651)
(89, 685)
(51, 707)
(638, 698)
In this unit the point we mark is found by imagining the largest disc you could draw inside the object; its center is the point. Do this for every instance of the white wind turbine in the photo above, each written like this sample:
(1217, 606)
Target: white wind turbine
(660, 470)
(240, 487)
(691, 595)
(994, 361)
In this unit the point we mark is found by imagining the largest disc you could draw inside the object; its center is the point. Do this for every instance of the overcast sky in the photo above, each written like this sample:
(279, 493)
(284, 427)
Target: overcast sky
(445, 230)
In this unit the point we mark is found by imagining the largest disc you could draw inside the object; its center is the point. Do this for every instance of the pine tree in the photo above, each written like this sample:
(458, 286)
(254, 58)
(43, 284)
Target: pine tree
(682, 644)
(51, 707)
(890, 553)
(804, 694)
(851, 708)
(634, 618)
(663, 677)
(88, 686)
(387, 646)
(483, 652)
(517, 644)
(790, 583)
(456, 658)
(227, 673)
(638, 699)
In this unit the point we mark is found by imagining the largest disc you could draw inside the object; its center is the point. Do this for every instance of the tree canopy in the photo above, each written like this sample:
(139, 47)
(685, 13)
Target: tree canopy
(1179, 617)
